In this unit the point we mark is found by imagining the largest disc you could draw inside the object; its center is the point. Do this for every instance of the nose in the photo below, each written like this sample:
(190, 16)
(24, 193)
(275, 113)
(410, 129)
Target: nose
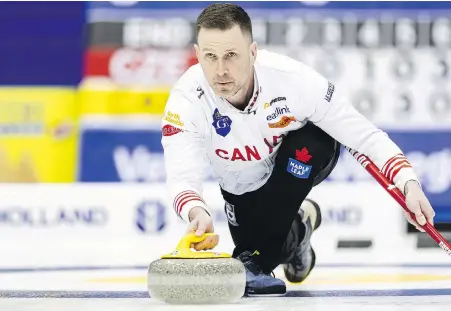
(221, 69)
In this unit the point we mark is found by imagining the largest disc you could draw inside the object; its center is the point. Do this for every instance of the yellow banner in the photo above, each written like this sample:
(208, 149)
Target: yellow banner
(38, 134)
(118, 101)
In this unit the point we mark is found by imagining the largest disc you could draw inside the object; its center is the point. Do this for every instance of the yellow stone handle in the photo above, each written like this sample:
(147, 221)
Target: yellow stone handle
(189, 238)
(183, 249)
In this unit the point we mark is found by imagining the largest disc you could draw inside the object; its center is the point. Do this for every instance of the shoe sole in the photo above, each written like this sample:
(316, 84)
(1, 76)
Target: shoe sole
(317, 211)
(318, 221)
(265, 295)
(248, 294)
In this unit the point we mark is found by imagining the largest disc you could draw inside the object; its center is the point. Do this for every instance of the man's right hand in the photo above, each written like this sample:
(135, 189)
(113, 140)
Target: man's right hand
(200, 223)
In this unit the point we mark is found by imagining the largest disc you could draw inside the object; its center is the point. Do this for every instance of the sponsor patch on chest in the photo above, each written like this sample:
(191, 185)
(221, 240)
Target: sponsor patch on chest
(277, 112)
(221, 123)
(284, 122)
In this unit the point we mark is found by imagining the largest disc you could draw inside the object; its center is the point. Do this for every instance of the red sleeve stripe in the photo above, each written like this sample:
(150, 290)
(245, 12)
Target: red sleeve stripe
(392, 161)
(393, 168)
(395, 172)
(185, 197)
(184, 202)
(181, 194)
(394, 165)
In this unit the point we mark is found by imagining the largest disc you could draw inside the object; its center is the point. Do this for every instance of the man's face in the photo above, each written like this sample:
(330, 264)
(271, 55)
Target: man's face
(227, 58)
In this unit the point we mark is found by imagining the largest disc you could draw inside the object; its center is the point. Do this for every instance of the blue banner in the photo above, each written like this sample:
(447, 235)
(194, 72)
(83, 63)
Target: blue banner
(108, 155)
(119, 10)
(274, 5)
(41, 43)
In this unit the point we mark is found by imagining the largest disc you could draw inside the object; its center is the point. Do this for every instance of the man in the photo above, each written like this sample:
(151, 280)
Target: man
(271, 129)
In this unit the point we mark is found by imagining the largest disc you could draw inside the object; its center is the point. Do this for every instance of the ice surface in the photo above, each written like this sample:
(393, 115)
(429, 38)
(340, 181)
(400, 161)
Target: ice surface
(330, 287)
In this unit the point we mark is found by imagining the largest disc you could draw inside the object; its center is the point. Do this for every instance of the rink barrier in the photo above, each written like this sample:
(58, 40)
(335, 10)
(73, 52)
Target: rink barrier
(360, 217)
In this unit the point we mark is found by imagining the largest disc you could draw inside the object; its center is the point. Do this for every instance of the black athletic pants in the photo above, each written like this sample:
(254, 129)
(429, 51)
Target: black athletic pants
(260, 220)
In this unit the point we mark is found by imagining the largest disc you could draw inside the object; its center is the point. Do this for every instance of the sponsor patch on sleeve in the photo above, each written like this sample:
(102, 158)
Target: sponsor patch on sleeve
(173, 118)
(330, 92)
(169, 130)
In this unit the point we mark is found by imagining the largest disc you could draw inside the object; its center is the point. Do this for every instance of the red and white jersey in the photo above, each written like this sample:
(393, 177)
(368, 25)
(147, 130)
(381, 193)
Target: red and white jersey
(200, 128)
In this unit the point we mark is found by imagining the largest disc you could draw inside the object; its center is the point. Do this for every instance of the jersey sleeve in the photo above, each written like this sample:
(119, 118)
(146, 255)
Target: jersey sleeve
(325, 106)
(183, 145)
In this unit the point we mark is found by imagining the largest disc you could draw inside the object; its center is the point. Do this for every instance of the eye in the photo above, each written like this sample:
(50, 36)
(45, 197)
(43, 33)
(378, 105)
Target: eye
(210, 55)
(230, 54)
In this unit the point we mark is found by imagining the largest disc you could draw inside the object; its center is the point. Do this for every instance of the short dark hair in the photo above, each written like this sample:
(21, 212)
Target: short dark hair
(224, 16)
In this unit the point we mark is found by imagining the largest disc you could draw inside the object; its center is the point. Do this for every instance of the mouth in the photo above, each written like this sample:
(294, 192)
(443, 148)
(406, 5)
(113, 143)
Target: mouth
(224, 84)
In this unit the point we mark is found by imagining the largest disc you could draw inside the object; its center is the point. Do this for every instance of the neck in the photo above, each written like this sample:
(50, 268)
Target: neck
(241, 99)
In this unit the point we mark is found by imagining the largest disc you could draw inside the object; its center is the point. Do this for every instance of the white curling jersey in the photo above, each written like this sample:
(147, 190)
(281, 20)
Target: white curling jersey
(200, 128)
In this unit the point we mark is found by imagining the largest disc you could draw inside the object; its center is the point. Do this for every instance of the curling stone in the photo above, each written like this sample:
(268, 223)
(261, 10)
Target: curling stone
(196, 277)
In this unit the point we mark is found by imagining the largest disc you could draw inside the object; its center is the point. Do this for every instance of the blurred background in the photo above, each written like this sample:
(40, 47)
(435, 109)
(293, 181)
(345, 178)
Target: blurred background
(83, 86)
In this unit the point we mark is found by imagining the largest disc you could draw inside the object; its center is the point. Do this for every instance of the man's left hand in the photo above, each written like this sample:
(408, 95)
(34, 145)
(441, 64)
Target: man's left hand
(417, 202)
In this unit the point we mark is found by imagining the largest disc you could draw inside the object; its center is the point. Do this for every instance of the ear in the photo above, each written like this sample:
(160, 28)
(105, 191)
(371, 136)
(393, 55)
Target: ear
(197, 49)
(253, 49)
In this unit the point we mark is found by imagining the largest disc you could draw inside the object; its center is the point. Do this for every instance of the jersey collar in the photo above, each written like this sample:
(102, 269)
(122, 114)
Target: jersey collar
(252, 107)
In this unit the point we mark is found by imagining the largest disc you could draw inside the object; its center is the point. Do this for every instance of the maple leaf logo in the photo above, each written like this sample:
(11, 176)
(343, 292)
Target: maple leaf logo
(303, 155)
